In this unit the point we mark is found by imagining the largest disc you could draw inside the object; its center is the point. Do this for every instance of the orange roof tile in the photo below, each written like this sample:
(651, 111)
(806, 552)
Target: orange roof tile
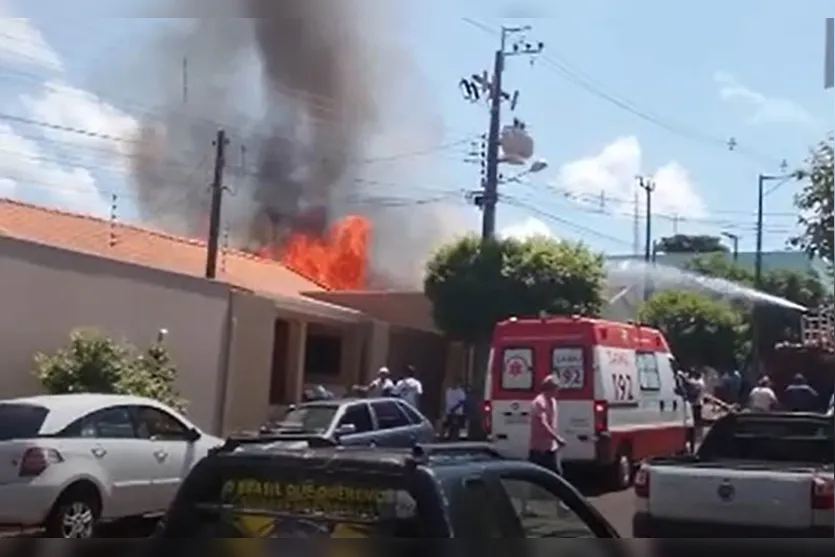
(145, 247)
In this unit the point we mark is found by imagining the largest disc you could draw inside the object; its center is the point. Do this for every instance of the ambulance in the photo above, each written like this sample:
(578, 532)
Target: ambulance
(617, 401)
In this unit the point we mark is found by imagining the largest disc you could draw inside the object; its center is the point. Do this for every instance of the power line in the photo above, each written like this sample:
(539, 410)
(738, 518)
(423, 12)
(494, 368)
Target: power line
(577, 77)
(510, 200)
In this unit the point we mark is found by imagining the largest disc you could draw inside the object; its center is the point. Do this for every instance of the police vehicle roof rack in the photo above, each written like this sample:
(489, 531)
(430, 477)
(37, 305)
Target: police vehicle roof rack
(235, 441)
(424, 451)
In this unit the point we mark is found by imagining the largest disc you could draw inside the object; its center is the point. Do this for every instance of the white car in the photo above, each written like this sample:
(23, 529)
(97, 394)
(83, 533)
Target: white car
(70, 461)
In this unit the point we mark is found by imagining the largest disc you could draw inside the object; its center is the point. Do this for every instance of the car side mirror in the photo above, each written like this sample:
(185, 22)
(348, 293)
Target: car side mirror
(345, 429)
(193, 435)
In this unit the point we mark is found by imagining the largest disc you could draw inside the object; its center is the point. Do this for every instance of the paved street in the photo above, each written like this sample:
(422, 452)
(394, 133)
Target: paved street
(617, 508)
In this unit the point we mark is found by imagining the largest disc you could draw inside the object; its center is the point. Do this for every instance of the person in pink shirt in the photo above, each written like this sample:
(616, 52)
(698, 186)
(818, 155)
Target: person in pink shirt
(545, 442)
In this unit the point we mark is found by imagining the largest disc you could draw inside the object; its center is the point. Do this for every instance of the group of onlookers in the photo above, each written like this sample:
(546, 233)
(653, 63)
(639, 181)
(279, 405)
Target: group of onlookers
(731, 389)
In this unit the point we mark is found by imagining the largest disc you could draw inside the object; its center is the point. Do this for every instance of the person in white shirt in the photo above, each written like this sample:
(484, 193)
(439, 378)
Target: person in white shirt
(455, 407)
(382, 385)
(409, 388)
(762, 397)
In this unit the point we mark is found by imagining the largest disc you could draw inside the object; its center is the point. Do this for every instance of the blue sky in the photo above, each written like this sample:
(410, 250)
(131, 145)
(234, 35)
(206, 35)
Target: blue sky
(691, 78)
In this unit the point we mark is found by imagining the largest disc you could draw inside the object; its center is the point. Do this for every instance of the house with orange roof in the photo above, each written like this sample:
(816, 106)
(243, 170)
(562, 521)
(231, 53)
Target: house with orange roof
(243, 343)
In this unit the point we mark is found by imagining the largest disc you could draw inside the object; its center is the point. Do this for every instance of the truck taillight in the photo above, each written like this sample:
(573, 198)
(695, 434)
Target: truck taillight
(37, 459)
(601, 416)
(641, 483)
(823, 494)
(487, 409)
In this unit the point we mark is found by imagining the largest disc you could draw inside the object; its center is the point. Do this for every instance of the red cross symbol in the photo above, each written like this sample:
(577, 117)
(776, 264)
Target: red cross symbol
(515, 368)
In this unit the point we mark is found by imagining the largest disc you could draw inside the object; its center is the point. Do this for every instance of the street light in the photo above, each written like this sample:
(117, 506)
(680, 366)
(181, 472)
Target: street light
(734, 238)
(758, 255)
(536, 166)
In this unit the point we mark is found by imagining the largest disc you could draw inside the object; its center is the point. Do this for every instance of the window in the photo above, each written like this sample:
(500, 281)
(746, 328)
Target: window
(21, 421)
(359, 416)
(542, 514)
(153, 423)
(389, 415)
(109, 423)
(568, 366)
(476, 513)
(322, 355)
(649, 376)
(517, 369)
(310, 419)
(413, 415)
(225, 503)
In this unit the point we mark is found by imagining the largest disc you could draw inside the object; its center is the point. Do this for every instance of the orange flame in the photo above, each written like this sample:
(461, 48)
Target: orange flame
(337, 261)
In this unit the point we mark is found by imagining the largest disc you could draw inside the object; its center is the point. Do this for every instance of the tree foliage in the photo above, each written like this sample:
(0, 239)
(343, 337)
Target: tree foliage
(774, 323)
(473, 284)
(95, 363)
(804, 288)
(700, 330)
(685, 243)
(815, 203)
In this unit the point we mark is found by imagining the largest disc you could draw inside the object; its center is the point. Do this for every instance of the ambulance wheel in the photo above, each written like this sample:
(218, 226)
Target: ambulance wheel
(622, 470)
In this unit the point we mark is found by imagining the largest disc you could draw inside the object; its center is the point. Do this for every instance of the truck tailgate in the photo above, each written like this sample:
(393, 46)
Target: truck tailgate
(732, 495)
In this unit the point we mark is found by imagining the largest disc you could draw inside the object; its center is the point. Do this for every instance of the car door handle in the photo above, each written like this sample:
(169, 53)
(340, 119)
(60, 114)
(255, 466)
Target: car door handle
(98, 452)
(160, 455)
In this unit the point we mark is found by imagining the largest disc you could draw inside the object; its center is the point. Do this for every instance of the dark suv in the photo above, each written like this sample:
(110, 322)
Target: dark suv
(429, 491)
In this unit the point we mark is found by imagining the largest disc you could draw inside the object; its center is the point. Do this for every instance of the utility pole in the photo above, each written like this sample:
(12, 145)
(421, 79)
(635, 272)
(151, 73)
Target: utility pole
(217, 200)
(648, 186)
(649, 247)
(829, 54)
(761, 180)
(185, 80)
(488, 198)
(636, 224)
(758, 250)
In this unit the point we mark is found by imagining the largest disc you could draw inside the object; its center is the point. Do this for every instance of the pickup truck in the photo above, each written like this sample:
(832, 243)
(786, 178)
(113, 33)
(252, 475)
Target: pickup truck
(252, 488)
(755, 475)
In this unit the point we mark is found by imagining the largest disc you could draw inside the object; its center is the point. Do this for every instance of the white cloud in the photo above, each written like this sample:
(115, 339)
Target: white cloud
(609, 179)
(526, 229)
(761, 108)
(44, 163)
(25, 168)
(109, 130)
(21, 44)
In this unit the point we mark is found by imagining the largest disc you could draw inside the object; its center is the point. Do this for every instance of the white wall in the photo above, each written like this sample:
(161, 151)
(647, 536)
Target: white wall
(46, 292)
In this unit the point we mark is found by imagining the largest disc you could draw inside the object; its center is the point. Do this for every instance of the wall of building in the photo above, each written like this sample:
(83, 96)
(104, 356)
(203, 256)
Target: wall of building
(47, 292)
(247, 365)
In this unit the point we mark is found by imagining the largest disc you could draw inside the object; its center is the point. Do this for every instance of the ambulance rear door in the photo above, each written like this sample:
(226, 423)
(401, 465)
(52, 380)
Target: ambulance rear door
(573, 367)
(513, 382)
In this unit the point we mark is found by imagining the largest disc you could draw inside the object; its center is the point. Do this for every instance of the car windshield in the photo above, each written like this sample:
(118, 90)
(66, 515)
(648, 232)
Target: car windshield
(237, 501)
(309, 419)
(21, 421)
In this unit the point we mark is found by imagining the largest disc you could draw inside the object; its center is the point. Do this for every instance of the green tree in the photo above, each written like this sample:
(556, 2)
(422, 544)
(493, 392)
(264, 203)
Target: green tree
(95, 363)
(815, 203)
(686, 243)
(90, 363)
(153, 376)
(474, 284)
(700, 330)
(773, 323)
(720, 266)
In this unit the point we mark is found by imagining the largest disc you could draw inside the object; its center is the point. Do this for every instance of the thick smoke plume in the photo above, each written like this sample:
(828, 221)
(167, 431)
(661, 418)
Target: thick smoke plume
(305, 90)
